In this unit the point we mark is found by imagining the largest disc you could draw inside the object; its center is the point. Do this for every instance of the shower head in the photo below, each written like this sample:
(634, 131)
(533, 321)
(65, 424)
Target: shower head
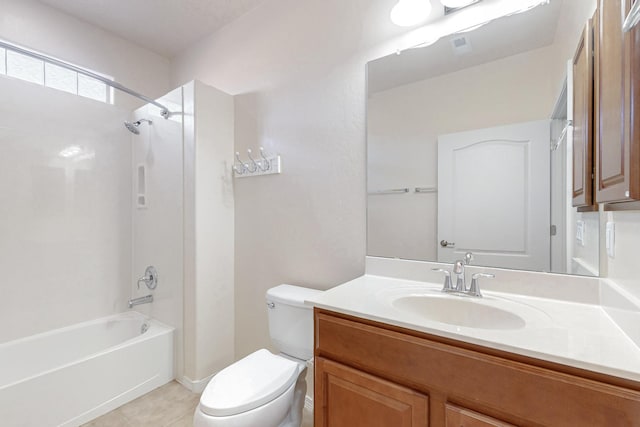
(133, 127)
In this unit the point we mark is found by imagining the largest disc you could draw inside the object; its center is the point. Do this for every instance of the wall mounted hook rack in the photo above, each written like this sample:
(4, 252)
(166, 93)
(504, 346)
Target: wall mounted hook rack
(265, 165)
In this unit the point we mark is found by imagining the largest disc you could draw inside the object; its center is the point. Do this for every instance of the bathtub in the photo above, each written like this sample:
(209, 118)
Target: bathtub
(72, 375)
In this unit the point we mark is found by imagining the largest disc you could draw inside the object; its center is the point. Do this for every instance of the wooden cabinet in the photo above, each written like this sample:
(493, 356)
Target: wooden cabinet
(606, 163)
(368, 371)
(583, 120)
(461, 417)
(634, 145)
(616, 104)
(354, 398)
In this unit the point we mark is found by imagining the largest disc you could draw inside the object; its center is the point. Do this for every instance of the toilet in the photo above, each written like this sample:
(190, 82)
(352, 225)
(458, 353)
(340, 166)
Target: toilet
(265, 389)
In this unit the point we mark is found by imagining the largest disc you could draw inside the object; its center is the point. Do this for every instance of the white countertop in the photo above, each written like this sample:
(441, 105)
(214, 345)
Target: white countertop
(574, 334)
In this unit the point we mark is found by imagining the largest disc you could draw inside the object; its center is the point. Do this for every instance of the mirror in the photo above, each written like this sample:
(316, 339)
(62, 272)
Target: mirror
(468, 147)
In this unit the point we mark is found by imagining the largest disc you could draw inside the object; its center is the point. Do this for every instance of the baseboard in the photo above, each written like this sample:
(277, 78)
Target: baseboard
(117, 401)
(195, 386)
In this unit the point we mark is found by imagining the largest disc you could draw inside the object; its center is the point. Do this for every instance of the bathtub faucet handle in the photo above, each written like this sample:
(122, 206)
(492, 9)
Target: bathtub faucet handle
(150, 278)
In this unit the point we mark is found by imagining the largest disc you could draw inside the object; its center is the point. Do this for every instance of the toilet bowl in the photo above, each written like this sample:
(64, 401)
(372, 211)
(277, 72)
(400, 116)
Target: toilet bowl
(266, 389)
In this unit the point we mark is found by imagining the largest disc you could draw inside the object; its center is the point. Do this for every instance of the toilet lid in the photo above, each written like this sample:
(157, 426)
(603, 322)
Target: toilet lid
(251, 382)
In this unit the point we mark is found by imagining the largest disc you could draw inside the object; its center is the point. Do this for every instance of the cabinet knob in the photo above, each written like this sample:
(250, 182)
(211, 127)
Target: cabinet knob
(446, 244)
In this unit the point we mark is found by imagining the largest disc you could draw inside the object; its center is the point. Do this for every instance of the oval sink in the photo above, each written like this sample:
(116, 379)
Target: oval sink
(460, 311)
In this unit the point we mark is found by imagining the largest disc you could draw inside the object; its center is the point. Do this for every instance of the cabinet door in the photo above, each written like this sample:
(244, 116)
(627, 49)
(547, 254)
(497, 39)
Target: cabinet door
(346, 397)
(583, 120)
(634, 161)
(615, 173)
(460, 417)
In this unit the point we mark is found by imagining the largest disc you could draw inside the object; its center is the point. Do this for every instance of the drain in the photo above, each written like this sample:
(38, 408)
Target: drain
(144, 328)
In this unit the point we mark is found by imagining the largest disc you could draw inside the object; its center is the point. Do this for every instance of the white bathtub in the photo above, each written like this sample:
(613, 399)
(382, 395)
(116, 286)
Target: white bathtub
(72, 375)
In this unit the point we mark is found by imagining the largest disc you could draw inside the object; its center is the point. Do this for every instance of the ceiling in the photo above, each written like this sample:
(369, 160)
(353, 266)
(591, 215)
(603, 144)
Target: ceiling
(163, 26)
(499, 39)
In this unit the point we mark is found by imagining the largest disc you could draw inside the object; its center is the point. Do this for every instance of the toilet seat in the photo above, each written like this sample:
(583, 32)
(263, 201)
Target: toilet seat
(249, 383)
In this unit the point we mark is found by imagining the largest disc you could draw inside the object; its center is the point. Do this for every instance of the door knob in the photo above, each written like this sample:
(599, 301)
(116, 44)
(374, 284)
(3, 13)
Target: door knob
(446, 244)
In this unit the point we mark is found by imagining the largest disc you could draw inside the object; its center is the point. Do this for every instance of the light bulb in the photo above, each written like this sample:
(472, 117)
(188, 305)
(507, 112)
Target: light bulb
(456, 3)
(408, 13)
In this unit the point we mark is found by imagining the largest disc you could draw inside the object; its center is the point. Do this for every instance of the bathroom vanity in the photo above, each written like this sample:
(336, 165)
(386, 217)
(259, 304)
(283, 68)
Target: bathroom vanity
(376, 365)
(451, 144)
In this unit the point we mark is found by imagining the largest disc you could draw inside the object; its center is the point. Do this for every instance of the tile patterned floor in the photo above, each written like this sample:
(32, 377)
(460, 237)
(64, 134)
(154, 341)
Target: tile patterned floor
(171, 405)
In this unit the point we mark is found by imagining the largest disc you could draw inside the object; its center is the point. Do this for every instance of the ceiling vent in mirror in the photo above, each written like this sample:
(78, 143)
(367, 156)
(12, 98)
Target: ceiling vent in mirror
(452, 6)
(461, 45)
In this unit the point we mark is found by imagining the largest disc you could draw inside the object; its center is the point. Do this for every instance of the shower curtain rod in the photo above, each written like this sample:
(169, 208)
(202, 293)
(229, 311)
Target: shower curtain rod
(164, 112)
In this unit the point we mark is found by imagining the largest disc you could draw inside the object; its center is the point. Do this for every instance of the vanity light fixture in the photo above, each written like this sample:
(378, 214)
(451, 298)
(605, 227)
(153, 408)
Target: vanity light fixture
(407, 13)
(465, 20)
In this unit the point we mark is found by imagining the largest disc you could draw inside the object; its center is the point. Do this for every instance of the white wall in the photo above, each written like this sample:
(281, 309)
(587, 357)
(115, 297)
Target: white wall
(586, 257)
(34, 25)
(209, 233)
(622, 268)
(157, 232)
(65, 222)
(297, 70)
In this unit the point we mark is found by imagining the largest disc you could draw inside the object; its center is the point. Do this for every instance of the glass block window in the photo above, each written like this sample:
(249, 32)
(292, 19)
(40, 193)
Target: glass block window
(92, 88)
(60, 78)
(24, 67)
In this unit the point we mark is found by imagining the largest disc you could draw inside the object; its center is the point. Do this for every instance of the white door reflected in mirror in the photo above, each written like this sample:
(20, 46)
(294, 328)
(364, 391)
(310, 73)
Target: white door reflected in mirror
(493, 195)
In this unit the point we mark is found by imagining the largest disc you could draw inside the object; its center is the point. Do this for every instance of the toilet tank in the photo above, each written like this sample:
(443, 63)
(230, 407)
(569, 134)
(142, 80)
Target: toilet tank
(290, 320)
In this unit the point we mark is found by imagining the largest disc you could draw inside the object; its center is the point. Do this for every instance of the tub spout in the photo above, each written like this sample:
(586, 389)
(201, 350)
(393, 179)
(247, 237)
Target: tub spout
(142, 300)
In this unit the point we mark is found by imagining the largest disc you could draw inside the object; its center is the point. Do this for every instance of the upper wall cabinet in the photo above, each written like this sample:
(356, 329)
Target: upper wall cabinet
(617, 97)
(583, 120)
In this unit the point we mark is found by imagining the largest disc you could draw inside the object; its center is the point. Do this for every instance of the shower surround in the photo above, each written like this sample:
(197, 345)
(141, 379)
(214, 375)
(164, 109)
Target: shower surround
(76, 238)
(69, 239)
(65, 209)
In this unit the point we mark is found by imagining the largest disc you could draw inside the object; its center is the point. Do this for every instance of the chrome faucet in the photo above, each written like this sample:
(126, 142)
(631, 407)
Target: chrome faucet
(142, 300)
(458, 270)
(474, 289)
(468, 257)
(150, 279)
(461, 284)
(448, 287)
